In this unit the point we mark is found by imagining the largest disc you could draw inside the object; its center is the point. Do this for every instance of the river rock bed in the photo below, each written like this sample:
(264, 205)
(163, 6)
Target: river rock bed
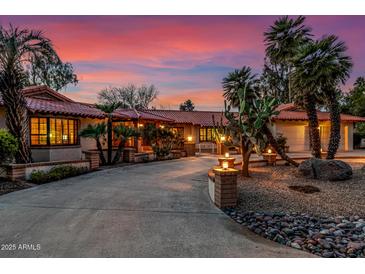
(330, 237)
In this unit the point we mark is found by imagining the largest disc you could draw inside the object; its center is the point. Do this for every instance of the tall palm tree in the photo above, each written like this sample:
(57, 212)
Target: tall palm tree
(122, 134)
(96, 132)
(17, 48)
(307, 90)
(333, 68)
(282, 42)
(109, 109)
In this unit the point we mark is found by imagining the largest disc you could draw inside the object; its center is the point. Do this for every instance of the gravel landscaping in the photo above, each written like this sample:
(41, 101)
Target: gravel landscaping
(7, 187)
(322, 217)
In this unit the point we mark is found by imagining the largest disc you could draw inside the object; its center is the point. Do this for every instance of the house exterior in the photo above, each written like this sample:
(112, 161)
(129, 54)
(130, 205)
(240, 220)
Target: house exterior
(55, 121)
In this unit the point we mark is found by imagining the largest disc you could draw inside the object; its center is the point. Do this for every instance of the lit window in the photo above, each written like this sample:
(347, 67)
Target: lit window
(53, 131)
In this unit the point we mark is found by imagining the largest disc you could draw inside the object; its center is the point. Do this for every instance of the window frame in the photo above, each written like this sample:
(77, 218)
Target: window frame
(208, 134)
(76, 125)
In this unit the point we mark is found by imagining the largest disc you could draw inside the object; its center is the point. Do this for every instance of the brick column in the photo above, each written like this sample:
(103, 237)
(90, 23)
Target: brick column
(16, 172)
(129, 155)
(225, 189)
(93, 158)
(190, 149)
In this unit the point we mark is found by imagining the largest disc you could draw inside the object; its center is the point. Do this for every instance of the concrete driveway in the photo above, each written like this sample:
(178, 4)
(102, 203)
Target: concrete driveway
(159, 209)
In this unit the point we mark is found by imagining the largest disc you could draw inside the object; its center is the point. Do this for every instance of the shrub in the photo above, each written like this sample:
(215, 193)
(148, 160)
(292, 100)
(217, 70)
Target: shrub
(56, 173)
(281, 140)
(8, 146)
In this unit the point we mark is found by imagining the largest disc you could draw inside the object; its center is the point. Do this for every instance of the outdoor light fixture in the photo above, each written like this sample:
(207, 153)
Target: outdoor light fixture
(140, 125)
(64, 137)
(190, 138)
(162, 126)
(226, 155)
(225, 165)
(223, 138)
(269, 151)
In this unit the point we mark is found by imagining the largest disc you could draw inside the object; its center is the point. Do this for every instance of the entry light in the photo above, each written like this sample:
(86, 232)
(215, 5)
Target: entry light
(223, 138)
(162, 126)
(190, 138)
(140, 125)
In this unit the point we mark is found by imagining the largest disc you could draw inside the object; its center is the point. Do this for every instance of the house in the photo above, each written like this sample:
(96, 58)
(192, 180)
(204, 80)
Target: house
(55, 121)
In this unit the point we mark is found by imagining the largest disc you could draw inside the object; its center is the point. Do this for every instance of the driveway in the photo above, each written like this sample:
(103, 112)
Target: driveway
(159, 209)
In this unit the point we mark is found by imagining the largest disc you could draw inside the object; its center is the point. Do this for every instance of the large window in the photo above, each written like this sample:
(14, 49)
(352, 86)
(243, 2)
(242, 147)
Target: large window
(206, 134)
(53, 131)
(130, 141)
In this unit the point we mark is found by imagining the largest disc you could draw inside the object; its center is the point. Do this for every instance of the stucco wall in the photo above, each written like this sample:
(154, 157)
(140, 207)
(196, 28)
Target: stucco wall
(297, 133)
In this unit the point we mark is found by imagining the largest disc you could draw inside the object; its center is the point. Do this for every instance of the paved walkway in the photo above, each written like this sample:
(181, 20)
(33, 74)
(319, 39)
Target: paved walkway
(158, 209)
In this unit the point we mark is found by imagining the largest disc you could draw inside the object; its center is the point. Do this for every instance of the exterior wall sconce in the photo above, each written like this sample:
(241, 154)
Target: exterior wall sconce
(223, 138)
(190, 138)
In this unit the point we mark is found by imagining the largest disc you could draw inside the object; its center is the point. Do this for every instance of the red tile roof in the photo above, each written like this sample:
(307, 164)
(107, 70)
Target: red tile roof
(140, 114)
(322, 116)
(63, 108)
(201, 118)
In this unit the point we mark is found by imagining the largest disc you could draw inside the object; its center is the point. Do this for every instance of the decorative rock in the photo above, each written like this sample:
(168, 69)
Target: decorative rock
(332, 170)
(295, 245)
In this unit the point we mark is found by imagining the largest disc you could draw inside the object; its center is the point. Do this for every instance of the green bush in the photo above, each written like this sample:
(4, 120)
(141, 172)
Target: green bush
(8, 146)
(56, 173)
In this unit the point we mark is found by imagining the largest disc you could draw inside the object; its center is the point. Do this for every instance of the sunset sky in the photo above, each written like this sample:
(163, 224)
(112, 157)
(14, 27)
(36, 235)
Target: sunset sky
(184, 56)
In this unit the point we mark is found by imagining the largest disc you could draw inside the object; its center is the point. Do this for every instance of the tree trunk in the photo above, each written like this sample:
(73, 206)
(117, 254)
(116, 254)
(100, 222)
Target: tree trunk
(278, 149)
(246, 153)
(311, 110)
(110, 140)
(119, 150)
(101, 153)
(335, 135)
(17, 120)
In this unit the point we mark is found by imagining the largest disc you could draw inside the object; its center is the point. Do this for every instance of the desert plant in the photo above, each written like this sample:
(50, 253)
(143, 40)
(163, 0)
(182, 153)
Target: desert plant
(8, 146)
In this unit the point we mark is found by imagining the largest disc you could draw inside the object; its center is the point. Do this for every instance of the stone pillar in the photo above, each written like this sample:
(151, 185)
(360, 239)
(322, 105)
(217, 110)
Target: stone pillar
(129, 155)
(16, 172)
(190, 149)
(93, 157)
(225, 189)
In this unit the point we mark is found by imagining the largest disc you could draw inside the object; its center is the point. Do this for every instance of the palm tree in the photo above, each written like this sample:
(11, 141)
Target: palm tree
(17, 48)
(96, 132)
(320, 67)
(122, 134)
(333, 68)
(236, 80)
(109, 109)
(282, 42)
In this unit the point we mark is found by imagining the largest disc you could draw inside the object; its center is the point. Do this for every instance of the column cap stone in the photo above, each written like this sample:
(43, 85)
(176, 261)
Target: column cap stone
(225, 172)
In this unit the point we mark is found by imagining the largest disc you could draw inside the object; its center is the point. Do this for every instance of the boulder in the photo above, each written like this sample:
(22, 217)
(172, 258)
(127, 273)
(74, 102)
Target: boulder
(332, 170)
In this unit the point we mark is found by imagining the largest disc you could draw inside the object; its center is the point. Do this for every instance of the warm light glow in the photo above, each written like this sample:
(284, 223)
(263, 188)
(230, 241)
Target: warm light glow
(140, 125)
(64, 137)
(318, 128)
(162, 126)
(269, 150)
(190, 138)
(226, 155)
(225, 165)
(223, 138)
(321, 149)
